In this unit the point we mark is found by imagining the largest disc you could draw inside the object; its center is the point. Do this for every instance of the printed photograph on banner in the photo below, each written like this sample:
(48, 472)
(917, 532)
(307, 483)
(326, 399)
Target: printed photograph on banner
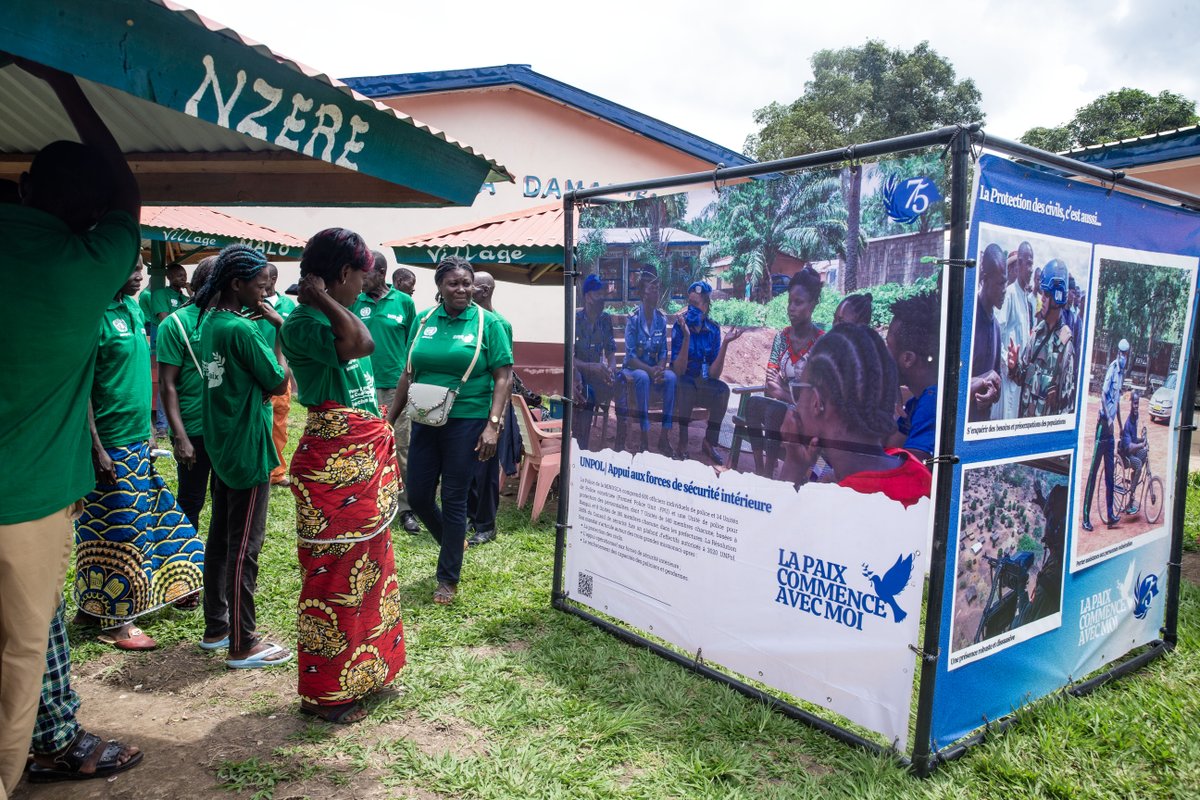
(753, 351)
(1028, 332)
(1132, 394)
(1008, 571)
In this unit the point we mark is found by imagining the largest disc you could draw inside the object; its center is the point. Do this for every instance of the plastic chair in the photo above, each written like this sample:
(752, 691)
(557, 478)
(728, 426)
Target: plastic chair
(542, 460)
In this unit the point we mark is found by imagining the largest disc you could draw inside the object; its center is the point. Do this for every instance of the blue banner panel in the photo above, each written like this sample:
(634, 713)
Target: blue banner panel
(1076, 328)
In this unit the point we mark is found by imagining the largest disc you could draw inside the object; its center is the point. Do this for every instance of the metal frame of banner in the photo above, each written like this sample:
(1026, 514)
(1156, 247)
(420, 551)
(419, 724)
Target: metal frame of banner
(959, 140)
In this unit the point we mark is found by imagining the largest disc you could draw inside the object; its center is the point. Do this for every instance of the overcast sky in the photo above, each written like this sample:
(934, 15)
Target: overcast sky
(705, 66)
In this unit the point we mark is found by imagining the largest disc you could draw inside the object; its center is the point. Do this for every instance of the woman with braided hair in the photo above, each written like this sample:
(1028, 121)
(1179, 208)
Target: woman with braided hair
(347, 487)
(241, 374)
(844, 414)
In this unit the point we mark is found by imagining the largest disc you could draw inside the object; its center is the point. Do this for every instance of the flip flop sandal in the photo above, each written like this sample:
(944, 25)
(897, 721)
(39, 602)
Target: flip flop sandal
(336, 715)
(217, 645)
(261, 660)
(137, 640)
(70, 761)
(444, 594)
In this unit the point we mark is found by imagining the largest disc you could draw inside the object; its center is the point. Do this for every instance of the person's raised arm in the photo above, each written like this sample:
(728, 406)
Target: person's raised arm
(351, 339)
(718, 364)
(93, 132)
(680, 348)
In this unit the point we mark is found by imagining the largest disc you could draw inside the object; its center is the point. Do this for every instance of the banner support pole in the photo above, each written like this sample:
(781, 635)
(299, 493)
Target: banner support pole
(953, 286)
(564, 475)
(1187, 384)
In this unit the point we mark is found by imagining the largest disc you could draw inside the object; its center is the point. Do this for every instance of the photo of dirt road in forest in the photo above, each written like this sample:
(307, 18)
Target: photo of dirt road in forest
(1009, 563)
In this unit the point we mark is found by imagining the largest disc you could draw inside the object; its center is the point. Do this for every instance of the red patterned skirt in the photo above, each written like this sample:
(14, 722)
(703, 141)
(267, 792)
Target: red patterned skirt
(347, 487)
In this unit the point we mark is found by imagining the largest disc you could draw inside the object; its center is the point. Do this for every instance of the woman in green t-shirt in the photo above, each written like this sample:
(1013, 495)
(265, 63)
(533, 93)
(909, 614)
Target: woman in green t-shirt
(347, 487)
(135, 551)
(444, 343)
(241, 373)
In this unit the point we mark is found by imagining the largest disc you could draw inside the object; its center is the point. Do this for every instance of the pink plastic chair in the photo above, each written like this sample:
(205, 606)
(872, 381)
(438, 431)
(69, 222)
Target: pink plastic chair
(542, 458)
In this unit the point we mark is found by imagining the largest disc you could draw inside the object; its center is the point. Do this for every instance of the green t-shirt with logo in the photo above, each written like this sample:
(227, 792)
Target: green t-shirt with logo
(47, 356)
(173, 349)
(284, 305)
(442, 350)
(240, 370)
(165, 301)
(308, 344)
(121, 383)
(390, 319)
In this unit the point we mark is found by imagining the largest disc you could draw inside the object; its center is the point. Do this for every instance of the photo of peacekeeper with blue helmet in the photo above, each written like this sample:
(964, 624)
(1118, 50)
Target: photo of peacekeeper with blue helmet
(1046, 366)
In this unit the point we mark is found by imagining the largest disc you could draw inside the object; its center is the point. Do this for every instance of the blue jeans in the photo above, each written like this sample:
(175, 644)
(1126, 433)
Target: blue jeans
(446, 454)
(641, 395)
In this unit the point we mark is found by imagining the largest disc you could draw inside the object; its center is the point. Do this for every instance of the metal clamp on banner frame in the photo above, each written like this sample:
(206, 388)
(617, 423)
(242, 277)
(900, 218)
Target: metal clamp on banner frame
(965, 263)
(1185, 427)
(926, 657)
(948, 458)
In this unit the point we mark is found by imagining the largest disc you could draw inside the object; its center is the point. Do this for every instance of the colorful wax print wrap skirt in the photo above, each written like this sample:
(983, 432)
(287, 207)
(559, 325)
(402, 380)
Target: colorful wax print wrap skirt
(135, 551)
(347, 487)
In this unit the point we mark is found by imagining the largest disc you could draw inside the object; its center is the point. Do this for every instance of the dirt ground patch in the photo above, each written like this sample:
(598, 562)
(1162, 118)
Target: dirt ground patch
(444, 736)
(191, 715)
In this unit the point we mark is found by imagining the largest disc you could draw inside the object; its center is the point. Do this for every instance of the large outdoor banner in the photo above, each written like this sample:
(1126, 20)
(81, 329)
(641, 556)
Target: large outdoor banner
(1077, 328)
(740, 486)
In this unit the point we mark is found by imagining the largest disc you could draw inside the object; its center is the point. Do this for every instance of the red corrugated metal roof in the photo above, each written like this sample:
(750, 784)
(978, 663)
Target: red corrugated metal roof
(540, 226)
(199, 219)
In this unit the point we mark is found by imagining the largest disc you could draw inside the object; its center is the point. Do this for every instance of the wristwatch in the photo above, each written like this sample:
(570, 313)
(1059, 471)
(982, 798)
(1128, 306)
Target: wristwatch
(495, 420)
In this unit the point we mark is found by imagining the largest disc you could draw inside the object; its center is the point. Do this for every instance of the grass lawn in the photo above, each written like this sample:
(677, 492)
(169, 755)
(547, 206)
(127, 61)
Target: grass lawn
(547, 706)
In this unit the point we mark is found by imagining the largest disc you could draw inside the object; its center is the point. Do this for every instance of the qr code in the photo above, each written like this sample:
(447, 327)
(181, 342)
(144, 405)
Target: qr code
(585, 584)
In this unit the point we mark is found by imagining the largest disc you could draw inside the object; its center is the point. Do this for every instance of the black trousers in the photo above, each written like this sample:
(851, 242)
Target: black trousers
(193, 483)
(445, 454)
(710, 394)
(484, 497)
(235, 538)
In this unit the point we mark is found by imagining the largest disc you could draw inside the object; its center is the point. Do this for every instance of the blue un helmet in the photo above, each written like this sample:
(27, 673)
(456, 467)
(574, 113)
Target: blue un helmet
(1055, 278)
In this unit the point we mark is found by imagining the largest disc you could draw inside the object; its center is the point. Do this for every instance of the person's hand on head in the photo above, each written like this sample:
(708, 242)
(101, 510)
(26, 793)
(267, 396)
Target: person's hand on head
(265, 310)
(311, 287)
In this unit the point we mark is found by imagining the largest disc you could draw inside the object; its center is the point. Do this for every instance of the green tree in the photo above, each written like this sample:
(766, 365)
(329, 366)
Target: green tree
(754, 222)
(1143, 304)
(1122, 114)
(860, 94)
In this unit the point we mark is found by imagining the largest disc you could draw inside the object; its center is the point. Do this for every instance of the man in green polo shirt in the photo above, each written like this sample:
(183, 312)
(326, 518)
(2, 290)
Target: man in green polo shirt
(388, 314)
(180, 381)
(70, 244)
(171, 297)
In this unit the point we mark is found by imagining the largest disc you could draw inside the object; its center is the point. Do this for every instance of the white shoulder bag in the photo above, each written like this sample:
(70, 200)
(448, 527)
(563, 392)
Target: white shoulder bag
(428, 403)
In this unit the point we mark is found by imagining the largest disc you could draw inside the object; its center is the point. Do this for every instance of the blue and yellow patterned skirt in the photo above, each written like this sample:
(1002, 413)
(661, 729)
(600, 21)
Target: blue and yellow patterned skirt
(135, 551)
